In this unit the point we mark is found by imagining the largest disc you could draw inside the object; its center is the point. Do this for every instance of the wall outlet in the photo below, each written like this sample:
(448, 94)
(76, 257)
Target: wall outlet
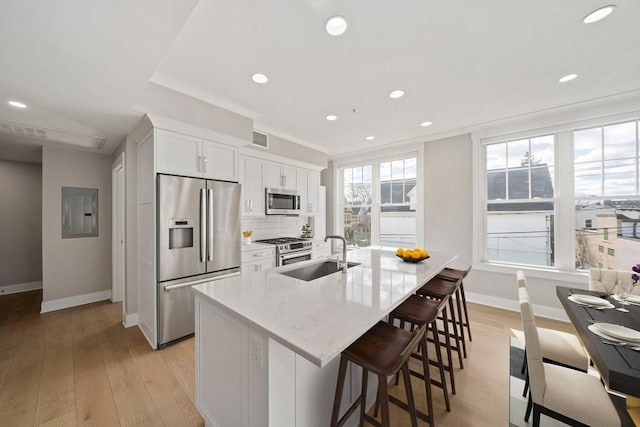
(255, 352)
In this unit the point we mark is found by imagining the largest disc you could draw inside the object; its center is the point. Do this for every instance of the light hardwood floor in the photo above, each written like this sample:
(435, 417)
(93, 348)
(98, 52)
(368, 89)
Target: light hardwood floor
(80, 367)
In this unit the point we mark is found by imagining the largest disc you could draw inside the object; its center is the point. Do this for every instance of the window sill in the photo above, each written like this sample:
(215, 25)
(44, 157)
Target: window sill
(539, 273)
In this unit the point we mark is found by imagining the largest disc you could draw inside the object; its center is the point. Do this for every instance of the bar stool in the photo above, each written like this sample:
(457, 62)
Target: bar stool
(384, 350)
(438, 288)
(418, 311)
(454, 275)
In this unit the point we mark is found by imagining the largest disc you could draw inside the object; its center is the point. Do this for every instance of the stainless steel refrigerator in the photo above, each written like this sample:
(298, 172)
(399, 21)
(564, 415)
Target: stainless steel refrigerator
(198, 240)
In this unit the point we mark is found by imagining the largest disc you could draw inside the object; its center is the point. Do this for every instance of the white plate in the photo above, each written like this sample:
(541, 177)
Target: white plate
(593, 328)
(633, 299)
(619, 332)
(588, 299)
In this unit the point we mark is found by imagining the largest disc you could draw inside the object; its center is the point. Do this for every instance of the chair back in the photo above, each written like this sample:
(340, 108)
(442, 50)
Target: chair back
(537, 379)
(603, 280)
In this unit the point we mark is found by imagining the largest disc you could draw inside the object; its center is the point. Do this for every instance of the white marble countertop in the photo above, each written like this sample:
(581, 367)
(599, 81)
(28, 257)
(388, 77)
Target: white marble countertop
(320, 318)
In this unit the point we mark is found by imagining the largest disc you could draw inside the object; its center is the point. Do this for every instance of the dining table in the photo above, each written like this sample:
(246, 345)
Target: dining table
(618, 365)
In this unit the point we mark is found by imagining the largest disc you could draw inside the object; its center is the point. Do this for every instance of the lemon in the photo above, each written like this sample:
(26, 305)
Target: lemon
(416, 254)
(399, 251)
(407, 253)
(424, 254)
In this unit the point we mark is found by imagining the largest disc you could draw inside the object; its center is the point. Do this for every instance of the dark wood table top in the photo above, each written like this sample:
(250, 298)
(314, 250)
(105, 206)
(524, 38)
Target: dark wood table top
(619, 366)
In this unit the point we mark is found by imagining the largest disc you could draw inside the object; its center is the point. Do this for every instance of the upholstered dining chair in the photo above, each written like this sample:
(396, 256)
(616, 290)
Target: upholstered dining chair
(603, 280)
(557, 347)
(573, 397)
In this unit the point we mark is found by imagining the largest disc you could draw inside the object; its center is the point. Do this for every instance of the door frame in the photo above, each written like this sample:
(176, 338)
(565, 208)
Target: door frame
(118, 228)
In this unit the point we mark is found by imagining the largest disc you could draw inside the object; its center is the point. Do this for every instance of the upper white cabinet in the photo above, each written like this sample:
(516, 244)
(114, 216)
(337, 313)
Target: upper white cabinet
(278, 175)
(257, 174)
(219, 161)
(251, 170)
(180, 154)
(313, 201)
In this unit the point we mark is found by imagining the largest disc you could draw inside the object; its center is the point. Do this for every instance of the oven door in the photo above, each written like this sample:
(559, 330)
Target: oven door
(293, 257)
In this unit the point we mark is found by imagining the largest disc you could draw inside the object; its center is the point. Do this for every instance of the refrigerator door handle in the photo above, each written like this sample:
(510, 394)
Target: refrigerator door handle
(203, 225)
(210, 225)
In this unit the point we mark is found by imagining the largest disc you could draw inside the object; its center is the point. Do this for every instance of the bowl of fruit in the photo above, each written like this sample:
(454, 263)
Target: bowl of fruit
(412, 255)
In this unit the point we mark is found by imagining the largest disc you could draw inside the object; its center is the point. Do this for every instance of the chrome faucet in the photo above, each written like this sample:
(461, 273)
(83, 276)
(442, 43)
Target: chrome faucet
(342, 264)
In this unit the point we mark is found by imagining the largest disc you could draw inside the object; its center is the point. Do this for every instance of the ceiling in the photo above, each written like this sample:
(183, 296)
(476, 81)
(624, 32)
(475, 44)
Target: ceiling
(85, 66)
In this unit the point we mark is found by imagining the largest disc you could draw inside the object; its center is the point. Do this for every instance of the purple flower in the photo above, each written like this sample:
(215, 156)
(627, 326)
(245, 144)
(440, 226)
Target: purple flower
(635, 278)
(636, 268)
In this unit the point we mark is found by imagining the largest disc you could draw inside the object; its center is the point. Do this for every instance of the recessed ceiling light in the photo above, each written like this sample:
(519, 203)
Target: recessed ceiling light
(567, 78)
(370, 138)
(336, 25)
(17, 104)
(598, 14)
(331, 117)
(396, 94)
(259, 78)
(425, 124)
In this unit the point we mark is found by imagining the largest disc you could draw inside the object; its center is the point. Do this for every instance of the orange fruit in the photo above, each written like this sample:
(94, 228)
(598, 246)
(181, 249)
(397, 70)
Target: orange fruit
(423, 254)
(407, 253)
(399, 251)
(416, 254)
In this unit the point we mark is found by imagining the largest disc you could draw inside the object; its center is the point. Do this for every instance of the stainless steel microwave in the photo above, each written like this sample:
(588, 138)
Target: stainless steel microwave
(281, 202)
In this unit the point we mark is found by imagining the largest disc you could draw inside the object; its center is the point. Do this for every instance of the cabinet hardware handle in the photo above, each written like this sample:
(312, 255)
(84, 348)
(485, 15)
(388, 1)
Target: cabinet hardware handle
(204, 164)
(199, 163)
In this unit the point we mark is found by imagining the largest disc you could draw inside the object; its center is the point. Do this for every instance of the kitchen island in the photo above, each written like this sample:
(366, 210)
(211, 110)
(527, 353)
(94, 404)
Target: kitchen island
(268, 345)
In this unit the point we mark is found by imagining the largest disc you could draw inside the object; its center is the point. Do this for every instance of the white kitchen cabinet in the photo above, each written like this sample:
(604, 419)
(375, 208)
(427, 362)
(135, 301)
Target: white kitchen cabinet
(278, 175)
(312, 202)
(219, 161)
(180, 154)
(260, 258)
(302, 179)
(252, 189)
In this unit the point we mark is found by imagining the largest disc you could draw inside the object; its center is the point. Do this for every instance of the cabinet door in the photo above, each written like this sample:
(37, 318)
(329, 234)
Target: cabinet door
(252, 188)
(271, 174)
(301, 180)
(219, 161)
(313, 183)
(290, 175)
(178, 154)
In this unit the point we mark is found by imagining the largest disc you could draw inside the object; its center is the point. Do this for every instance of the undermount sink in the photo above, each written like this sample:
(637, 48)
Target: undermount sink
(315, 271)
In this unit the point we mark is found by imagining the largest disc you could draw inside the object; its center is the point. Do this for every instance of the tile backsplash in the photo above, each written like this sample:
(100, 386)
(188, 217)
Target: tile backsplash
(272, 226)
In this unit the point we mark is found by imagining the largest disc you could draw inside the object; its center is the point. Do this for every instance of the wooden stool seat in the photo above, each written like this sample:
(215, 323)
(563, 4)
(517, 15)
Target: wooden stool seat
(417, 310)
(383, 350)
(452, 273)
(438, 287)
(379, 349)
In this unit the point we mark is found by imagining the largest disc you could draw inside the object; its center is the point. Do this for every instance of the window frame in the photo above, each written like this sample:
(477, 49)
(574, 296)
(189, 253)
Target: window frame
(377, 157)
(564, 268)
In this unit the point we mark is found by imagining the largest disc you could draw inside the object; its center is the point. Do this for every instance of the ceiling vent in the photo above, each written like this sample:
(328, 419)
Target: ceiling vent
(260, 140)
(39, 133)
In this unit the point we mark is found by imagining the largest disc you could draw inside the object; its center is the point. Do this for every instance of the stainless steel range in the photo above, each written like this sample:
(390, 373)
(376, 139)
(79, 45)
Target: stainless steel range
(290, 250)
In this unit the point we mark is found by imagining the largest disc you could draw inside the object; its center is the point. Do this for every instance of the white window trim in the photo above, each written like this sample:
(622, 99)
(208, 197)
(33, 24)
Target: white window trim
(375, 157)
(564, 195)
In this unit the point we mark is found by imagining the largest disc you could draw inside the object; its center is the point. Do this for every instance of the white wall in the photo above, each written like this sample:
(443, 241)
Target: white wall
(20, 225)
(74, 271)
(448, 197)
(128, 146)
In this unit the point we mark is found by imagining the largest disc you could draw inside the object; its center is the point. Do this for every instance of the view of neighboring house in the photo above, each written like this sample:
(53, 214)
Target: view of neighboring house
(520, 232)
(607, 234)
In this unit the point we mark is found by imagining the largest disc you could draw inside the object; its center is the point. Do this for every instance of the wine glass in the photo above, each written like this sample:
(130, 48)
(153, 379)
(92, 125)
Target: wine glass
(623, 288)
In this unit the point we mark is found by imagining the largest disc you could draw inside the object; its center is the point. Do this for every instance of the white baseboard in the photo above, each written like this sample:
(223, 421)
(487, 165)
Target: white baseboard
(513, 305)
(59, 304)
(130, 320)
(20, 287)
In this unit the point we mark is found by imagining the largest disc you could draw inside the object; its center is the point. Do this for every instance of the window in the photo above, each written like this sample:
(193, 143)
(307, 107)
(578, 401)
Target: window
(380, 203)
(524, 213)
(520, 201)
(606, 185)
